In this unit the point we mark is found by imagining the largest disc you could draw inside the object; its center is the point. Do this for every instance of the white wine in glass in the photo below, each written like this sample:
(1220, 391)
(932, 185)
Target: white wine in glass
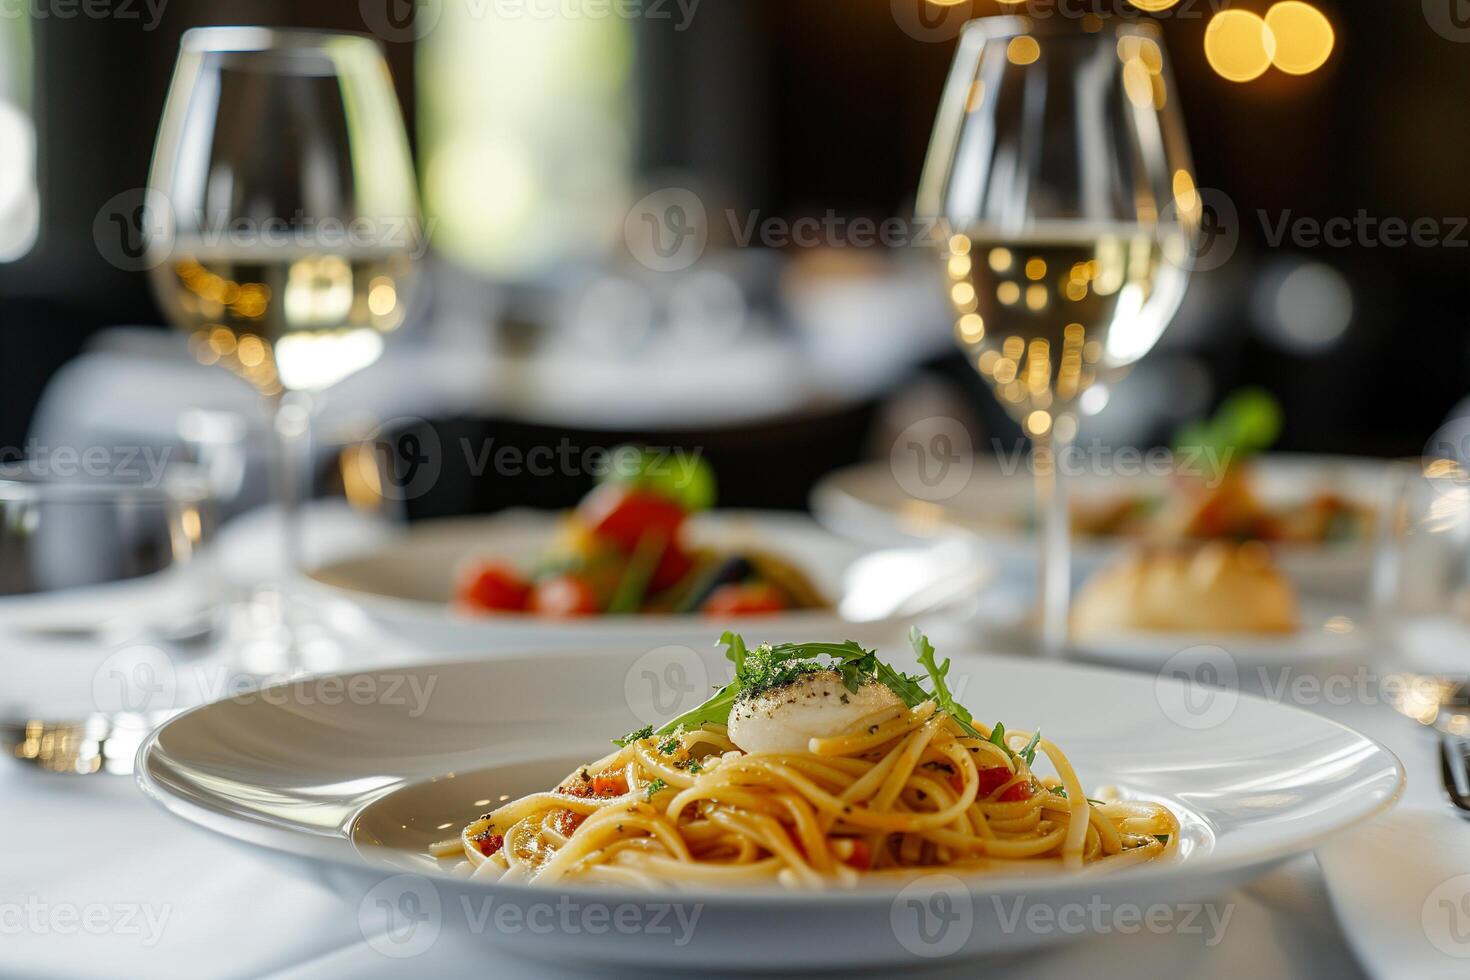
(289, 249)
(1060, 186)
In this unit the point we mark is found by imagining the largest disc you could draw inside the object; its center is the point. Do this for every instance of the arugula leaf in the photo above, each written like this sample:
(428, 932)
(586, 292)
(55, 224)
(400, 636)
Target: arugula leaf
(924, 650)
(998, 738)
(645, 732)
(1029, 752)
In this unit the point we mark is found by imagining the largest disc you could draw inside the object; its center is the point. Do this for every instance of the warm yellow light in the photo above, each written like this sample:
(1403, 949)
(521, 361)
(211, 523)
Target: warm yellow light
(1153, 6)
(1186, 196)
(1036, 269)
(1036, 297)
(1038, 423)
(959, 266)
(1239, 45)
(972, 328)
(1023, 50)
(1005, 371)
(251, 351)
(382, 296)
(959, 244)
(1303, 36)
(963, 294)
(1008, 293)
(1000, 259)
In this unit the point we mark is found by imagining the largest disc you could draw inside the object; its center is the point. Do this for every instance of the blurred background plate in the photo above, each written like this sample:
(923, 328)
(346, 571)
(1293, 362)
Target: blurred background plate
(406, 585)
(869, 503)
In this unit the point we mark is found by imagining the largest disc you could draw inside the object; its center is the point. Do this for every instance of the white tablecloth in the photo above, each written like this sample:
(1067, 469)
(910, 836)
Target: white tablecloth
(97, 880)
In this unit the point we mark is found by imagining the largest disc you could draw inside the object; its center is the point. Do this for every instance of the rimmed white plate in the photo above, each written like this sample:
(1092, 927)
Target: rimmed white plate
(1326, 635)
(406, 585)
(869, 503)
(348, 778)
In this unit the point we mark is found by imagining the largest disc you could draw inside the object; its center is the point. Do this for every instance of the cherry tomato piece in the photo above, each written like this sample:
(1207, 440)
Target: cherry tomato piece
(993, 778)
(491, 586)
(623, 516)
(744, 599)
(861, 857)
(565, 596)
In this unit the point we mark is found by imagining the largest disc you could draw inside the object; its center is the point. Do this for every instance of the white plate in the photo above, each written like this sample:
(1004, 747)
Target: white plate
(406, 585)
(868, 503)
(1326, 635)
(347, 779)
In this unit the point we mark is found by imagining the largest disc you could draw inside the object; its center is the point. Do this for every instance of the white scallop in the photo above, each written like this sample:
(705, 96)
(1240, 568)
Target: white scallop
(817, 705)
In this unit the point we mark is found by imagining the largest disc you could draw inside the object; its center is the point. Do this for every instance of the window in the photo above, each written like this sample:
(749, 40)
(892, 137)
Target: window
(525, 136)
(20, 202)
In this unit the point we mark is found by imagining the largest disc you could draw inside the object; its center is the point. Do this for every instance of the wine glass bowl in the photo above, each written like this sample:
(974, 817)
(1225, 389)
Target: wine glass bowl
(1059, 183)
(294, 218)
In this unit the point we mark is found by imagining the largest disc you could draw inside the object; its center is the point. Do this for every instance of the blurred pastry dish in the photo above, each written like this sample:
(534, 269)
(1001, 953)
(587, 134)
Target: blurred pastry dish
(1216, 587)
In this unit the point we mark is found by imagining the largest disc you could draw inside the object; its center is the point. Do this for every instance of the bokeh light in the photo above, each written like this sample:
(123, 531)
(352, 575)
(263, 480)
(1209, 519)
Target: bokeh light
(1023, 50)
(1239, 45)
(1303, 36)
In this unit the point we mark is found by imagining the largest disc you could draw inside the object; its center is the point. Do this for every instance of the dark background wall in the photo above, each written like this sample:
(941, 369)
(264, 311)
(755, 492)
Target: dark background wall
(798, 106)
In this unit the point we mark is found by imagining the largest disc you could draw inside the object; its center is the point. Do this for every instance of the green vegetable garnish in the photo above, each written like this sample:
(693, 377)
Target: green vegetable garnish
(1247, 422)
(1029, 752)
(637, 573)
(924, 650)
(654, 788)
(645, 732)
(683, 477)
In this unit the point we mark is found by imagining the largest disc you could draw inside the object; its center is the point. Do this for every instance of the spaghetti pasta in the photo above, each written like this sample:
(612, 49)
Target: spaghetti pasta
(918, 787)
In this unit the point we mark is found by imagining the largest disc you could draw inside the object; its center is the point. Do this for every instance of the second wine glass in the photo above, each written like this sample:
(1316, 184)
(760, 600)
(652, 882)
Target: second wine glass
(1060, 184)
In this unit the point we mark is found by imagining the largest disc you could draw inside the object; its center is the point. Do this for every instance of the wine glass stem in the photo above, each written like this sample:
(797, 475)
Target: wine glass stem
(1056, 543)
(291, 426)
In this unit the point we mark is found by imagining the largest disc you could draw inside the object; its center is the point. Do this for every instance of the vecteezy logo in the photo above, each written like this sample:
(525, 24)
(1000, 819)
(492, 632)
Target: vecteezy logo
(1213, 222)
(933, 916)
(664, 683)
(927, 20)
(668, 230)
(134, 230)
(400, 21)
(135, 679)
(406, 458)
(933, 459)
(1445, 917)
(1199, 687)
(401, 916)
(1450, 19)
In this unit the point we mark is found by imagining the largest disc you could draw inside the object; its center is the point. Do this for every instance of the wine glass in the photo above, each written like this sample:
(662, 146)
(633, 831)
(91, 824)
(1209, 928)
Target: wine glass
(290, 228)
(1060, 187)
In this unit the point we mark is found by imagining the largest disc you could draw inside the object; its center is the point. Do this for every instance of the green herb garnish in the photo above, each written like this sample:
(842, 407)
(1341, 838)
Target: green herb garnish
(645, 732)
(670, 745)
(1029, 752)
(924, 650)
(654, 788)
